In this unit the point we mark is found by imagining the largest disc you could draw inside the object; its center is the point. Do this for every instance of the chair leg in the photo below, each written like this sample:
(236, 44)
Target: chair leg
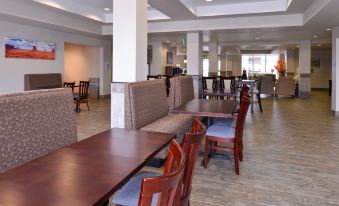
(206, 153)
(87, 105)
(240, 152)
(259, 100)
(236, 159)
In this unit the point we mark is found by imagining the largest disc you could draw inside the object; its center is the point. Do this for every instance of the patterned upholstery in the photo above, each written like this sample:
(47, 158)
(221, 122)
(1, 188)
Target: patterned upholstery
(146, 102)
(285, 86)
(182, 91)
(146, 108)
(267, 85)
(42, 81)
(178, 124)
(33, 124)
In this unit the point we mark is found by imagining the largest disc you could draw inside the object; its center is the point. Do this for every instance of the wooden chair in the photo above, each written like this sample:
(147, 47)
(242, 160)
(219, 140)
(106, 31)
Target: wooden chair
(258, 93)
(153, 77)
(70, 85)
(225, 134)
(82, 96)
(209, 83)
(191, 145)
(158, 190)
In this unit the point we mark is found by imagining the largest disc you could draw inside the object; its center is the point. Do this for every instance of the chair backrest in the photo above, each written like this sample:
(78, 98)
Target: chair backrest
(42, 81)
(242, 117)
(227, 82)
(191, 145)
(33, 124)
(83, 89)
(145, 102)
(182, 91)
(285, 86)
(209, 83)
(244, 90)
(267, 85)
(69, 85)
(153, 77)
(166, 185)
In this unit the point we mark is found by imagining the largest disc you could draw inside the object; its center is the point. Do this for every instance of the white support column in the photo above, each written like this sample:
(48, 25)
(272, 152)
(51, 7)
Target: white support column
(129, 40)
(223, 62)
(194, 60)
(194, 53)
(305, 69)
(129, 52)
(290, 61)
(213, 58)
(335, 71)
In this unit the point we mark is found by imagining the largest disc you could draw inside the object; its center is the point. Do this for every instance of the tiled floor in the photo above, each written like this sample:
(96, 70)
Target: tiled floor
(291, 156)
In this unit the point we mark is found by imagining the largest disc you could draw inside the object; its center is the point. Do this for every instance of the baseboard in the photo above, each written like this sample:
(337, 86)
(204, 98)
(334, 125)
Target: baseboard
(107, 96)
(320, 89)
(155, 162)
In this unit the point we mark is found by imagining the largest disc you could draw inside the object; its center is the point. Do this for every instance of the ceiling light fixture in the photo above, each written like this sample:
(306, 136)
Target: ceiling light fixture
(107, 9)
(315, 36)
(208, 0)
(148, 5)
(328, 29)
(257, 38)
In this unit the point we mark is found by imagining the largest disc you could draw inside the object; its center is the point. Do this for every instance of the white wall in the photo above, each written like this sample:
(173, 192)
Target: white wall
(320, 76)
(12, 70)
(233, 63)
(81, 62)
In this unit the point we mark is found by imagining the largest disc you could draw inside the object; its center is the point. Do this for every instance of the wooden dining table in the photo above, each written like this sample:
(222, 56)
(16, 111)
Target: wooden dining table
(208, 108)
(85, 173)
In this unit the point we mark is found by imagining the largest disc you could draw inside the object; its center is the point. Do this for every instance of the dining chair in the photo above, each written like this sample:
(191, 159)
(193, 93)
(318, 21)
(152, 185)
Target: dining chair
(82, 96)
(191, 146)
(70, 85)
(150, 190)
(258, 92)
(209, 83)
(225, 134)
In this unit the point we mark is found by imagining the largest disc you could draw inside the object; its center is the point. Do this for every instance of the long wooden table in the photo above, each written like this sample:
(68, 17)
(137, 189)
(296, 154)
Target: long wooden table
(85, 173)
(208, 108)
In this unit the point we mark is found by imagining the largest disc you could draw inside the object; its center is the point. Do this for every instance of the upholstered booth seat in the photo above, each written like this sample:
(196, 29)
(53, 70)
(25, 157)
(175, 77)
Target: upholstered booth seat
(129, 194)
(33, 124)
(147, 109)
(178, 124)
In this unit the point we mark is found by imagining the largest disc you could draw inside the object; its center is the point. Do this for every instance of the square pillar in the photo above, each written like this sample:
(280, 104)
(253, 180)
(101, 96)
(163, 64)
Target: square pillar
(129, 52)
(213, 58)
(305, 69)
(335, 72)
(194, 60)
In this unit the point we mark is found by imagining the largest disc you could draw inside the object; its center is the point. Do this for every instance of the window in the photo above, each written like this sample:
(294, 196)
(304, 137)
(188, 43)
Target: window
(259, 63)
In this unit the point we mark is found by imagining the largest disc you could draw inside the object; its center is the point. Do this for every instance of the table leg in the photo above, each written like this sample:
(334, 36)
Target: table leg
(252, 96)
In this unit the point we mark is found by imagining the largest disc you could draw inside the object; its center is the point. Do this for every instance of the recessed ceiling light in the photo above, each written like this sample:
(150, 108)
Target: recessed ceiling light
(107, 9)
(258, 32)
(209, 0)
(148, 5)
(257, 38)
(315, 36)
(328, 29)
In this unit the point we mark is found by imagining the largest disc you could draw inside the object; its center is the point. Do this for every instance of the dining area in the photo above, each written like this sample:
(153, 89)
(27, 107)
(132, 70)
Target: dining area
(184, 148)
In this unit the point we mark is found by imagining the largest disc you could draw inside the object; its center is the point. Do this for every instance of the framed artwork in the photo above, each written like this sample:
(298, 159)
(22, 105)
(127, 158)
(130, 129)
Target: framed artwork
(169, 57)
(29, 49)
(315, 62)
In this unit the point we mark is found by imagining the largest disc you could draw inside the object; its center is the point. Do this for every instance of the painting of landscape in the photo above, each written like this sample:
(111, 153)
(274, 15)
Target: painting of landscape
(21, 48)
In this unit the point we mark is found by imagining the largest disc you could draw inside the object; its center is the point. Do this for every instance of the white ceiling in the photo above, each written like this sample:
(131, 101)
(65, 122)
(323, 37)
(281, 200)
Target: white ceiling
(220, 2)
(233, 22)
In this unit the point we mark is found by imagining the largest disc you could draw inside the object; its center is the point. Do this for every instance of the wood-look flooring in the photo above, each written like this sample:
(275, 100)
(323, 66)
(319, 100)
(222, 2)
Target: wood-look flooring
(291, 156)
